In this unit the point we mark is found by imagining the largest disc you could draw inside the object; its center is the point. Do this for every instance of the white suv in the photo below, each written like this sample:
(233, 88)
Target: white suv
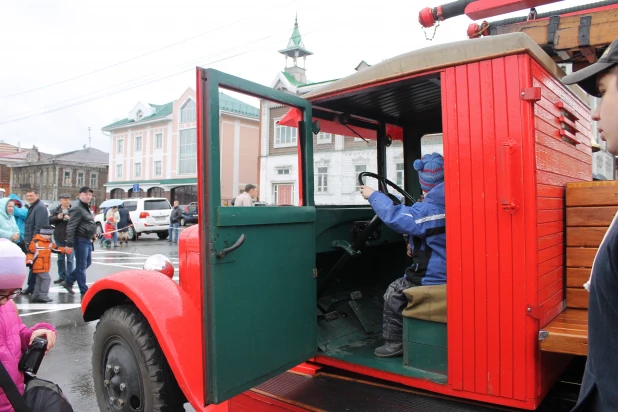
(149, 215)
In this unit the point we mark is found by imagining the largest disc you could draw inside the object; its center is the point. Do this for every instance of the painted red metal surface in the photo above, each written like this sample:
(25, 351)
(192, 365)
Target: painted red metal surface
(174, 319)
(482, 9)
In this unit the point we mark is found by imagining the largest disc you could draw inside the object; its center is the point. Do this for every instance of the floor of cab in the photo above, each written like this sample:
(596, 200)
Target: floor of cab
(355, 334)
(333, 393)
(361, 353)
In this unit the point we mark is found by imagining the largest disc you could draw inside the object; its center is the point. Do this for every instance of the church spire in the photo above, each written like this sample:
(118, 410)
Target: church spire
(295, 48)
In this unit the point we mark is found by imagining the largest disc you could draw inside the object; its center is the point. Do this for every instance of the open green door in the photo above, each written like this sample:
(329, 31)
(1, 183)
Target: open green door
(260, 298)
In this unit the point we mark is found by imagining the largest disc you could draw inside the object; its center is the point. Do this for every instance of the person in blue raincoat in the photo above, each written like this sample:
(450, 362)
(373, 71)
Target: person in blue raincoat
(425, 224)
(20, 213)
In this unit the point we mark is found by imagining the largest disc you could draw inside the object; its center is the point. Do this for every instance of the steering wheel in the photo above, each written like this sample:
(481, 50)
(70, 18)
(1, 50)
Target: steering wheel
(383, 184)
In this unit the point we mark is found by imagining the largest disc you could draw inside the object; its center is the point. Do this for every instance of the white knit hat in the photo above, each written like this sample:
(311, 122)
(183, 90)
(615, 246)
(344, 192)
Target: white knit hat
(13, 269)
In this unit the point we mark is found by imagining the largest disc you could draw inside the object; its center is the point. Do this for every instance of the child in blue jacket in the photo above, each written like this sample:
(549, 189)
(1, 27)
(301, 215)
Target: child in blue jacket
(425, 224)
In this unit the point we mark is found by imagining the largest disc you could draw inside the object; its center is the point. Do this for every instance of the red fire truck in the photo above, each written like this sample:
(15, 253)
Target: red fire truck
(278, 308)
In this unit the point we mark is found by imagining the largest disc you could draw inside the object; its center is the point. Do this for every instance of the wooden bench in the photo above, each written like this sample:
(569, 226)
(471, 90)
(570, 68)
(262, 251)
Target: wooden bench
(590, 208)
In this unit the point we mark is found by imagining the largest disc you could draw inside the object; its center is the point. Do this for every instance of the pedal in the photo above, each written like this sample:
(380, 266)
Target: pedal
(329, 317)
(356, 295)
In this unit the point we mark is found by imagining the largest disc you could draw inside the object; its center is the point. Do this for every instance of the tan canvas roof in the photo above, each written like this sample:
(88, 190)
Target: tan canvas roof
(448, 55)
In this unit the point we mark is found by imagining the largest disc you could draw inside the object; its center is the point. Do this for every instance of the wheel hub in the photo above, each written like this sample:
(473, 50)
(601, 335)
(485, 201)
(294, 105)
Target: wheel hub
(123, 383)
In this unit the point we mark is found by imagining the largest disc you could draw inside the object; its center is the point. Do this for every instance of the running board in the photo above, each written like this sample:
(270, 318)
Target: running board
(325, 392)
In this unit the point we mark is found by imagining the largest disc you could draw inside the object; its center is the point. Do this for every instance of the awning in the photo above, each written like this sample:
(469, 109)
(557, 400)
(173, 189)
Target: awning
(293, 116)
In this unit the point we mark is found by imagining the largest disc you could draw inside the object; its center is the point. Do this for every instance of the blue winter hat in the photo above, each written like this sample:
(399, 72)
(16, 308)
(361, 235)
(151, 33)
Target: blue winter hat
(430, 171)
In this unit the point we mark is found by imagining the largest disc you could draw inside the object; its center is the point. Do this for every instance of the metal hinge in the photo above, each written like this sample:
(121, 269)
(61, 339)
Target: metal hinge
(543, 334)
(533, 311)
(315, 273)
(531, 93)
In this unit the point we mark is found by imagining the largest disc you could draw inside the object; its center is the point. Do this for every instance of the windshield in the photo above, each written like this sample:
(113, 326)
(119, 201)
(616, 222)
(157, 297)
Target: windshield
(156, 204)
(130, 206)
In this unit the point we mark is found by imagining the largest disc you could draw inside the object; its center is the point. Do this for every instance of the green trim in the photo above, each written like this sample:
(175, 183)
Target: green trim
(292, 80)
(303, 52)
(185, 181)
(161, 111)
(314, 83)
(251, 216)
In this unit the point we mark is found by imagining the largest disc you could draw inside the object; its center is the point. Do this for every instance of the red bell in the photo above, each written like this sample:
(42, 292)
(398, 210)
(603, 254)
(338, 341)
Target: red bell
(426, 18)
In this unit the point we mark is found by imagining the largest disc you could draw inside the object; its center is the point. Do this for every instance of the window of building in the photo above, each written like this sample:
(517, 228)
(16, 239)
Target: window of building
(118, 171)
(285, 136)
(66, 179)
(322, 174)
(283, 171)
(359, 169)
(139, 115)
(138, 143)
(187, 112)
(93, 181)
(400, 174)
(159, 141)
(325, 138)
(187, 153)
(137, 169)
(157, 168)
(80, 179)
(283, 194)
(119, 145)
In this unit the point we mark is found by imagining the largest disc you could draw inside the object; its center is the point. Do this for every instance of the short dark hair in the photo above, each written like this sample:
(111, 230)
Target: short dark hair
(249, 187)
(33, 190)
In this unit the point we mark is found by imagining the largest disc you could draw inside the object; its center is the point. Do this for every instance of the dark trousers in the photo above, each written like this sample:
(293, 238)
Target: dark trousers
(394, 304)
(31, 280)
(82, 248)
(65, 263)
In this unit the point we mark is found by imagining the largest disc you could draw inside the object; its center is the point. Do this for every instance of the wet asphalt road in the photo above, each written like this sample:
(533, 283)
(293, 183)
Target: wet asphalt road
(69, 362)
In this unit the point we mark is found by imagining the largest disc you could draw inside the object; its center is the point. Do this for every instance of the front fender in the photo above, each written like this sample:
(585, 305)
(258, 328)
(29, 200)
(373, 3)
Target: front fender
(174, 319)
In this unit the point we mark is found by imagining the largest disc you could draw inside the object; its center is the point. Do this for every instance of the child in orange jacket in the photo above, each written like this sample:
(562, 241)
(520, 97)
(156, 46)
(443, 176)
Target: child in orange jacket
(39, 258)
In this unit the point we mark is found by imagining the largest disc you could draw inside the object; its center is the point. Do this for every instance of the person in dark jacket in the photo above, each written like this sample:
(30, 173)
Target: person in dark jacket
(37, 218)
(599, 391)
(425, 224)
(175, 217)
(123, 224)
(80, 233)
(59, 218)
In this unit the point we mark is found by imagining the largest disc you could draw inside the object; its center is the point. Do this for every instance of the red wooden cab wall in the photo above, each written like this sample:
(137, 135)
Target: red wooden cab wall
(506, 164)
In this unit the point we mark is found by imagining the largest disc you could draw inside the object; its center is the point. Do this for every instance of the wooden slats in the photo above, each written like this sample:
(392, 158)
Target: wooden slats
(591, 216)
(576, 277)
(585, 236)
(567, 333)
(604, 193)
(580, 257)
(577, 298)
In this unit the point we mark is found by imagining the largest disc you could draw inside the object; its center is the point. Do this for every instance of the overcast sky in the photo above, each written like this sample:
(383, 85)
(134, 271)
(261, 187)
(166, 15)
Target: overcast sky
(48, 48)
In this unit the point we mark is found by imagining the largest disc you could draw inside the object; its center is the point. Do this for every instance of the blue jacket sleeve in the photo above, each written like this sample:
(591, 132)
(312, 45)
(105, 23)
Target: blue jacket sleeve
(413, 220)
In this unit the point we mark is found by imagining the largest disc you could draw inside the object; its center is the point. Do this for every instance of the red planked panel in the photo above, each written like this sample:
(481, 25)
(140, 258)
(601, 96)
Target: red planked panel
(547, 216)
(479, 242)
(492, 236)
(454, 238)
(467, 224)
(506, 242)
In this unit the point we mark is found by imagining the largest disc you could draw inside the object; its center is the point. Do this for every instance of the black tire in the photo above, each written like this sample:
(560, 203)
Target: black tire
(162, 235)
(124, 340)
(183, 222)
(131, 233)
(99, 229)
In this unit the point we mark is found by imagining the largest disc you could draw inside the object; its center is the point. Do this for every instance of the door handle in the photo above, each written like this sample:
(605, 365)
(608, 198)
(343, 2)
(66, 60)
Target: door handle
(232, 248)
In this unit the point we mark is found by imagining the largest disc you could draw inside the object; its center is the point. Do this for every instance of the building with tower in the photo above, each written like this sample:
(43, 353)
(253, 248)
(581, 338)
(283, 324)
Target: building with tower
(337, 159)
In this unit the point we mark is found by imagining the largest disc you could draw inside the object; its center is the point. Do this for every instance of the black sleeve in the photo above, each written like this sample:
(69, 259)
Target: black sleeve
(74, 219)
(40, 219)
(53, 217)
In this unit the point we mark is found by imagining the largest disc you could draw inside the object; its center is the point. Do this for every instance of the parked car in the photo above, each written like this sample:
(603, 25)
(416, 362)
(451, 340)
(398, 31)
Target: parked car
(149, 215)
(189, 214)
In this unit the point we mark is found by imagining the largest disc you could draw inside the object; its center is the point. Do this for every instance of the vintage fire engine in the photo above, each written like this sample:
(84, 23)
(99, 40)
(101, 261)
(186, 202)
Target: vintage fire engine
(278, 308)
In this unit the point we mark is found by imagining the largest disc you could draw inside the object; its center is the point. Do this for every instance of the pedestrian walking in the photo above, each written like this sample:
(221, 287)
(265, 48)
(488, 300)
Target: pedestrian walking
(8, 225)
(123, 224)
(80, 233)
(39, 259)
(37, 218)
(20, 212)
(113, 213)
(175, 217)
(246, 197)
(598, 391)
(14, 335)
(108, 233)
(59, 218)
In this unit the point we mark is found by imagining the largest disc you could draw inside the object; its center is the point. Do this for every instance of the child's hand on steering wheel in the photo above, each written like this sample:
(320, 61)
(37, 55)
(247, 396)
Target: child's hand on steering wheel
(366, 191)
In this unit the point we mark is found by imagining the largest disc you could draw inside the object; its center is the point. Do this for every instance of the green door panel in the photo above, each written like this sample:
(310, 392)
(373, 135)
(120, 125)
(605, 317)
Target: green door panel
(262, 311)
(260, 302)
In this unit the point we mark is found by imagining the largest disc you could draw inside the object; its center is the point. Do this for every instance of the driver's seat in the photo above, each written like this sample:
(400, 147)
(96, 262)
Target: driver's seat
(424, 328)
